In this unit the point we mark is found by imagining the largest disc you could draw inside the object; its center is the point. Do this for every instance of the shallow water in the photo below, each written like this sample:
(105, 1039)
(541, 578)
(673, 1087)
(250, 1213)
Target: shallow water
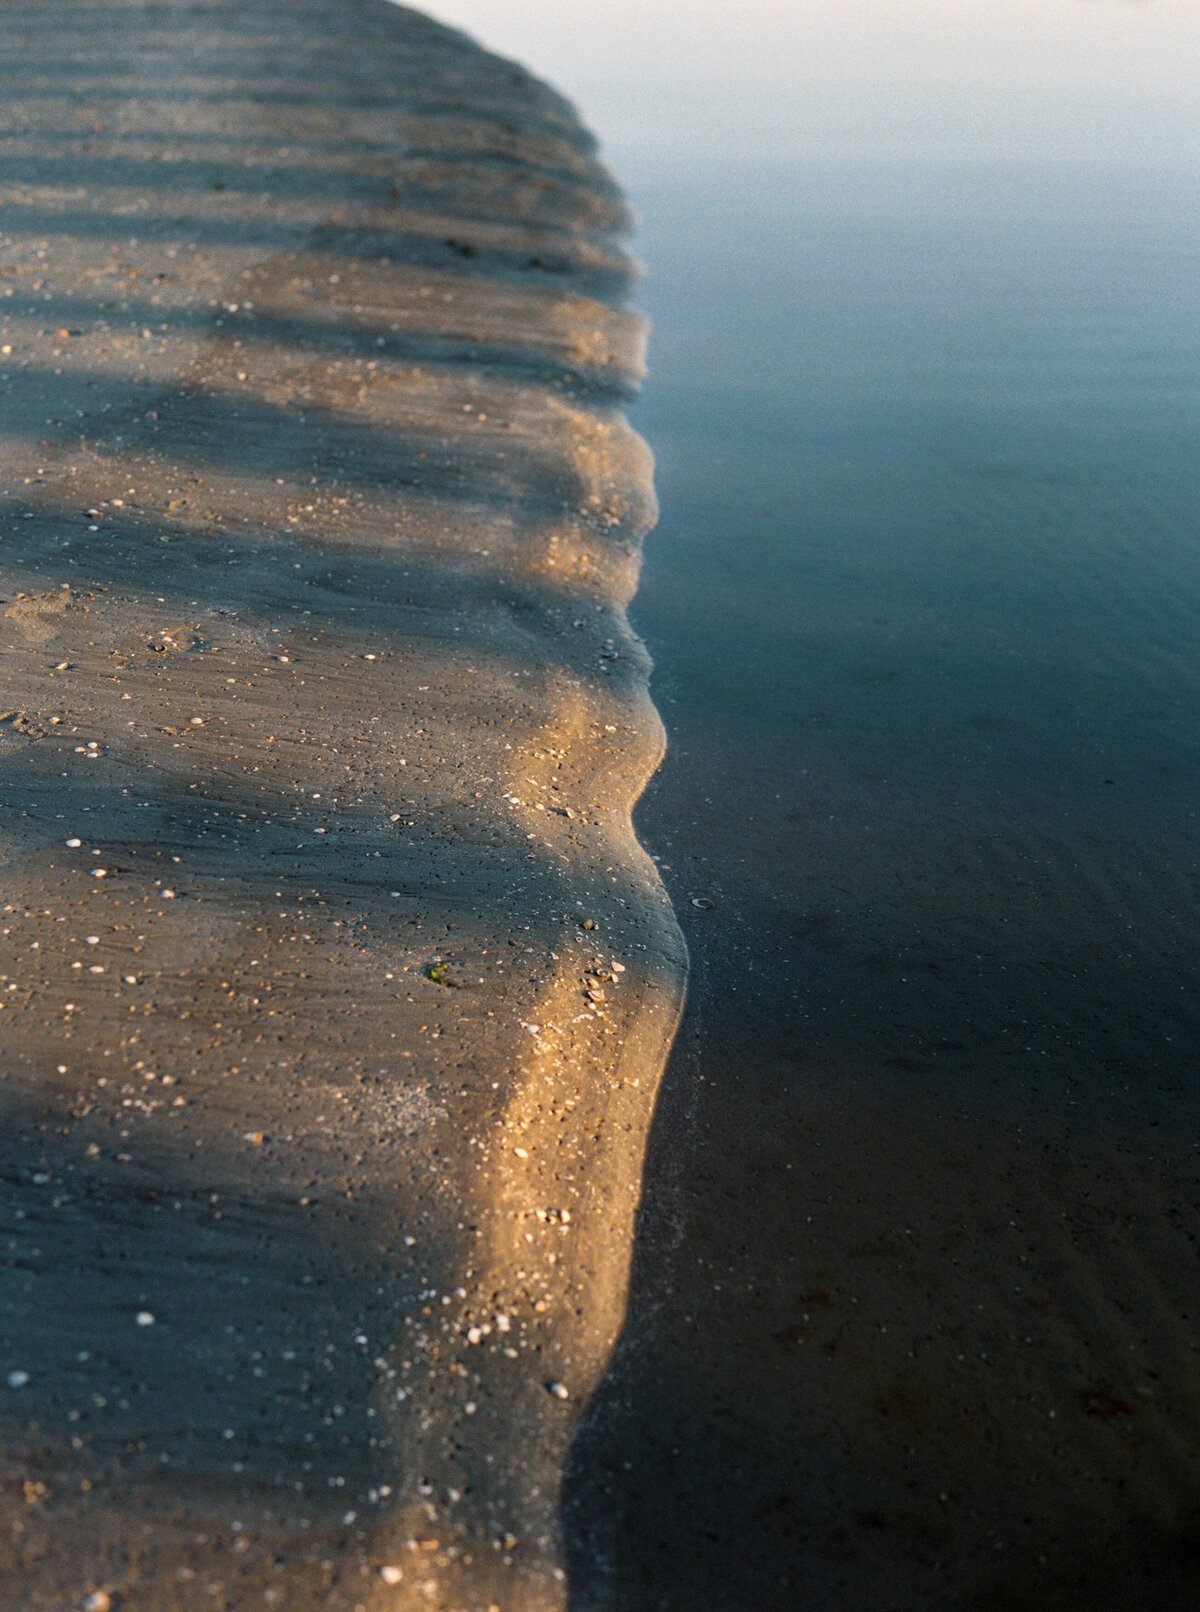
(911, 1324)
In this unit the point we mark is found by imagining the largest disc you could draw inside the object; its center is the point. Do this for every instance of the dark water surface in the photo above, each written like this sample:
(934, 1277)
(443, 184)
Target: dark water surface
(915, 1306)
(924, 603)
(924, 599)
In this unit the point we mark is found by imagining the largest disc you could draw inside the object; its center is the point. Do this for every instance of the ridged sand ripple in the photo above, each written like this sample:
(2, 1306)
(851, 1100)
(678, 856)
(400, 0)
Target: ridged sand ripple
(335, 984)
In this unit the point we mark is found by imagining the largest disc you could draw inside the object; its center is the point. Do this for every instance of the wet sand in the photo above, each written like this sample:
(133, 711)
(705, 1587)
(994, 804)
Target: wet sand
(335, 985)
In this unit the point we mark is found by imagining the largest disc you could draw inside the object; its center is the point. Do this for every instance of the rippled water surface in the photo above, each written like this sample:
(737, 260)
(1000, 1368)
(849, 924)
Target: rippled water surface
(911, 1311)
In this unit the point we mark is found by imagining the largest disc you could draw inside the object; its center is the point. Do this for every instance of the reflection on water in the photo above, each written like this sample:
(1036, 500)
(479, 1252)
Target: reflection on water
(912, 1321)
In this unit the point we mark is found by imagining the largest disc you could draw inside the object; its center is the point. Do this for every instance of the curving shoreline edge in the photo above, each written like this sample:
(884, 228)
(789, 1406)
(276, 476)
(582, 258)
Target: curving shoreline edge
(341, 986)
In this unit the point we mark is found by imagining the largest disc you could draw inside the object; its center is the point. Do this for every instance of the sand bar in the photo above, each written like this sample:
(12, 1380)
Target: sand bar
(335, 985)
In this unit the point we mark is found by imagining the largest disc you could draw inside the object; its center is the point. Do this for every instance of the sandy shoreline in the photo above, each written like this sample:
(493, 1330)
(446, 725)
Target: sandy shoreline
(336, 985)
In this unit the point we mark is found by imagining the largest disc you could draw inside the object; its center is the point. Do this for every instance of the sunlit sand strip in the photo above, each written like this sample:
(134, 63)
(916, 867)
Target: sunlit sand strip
(334, 986)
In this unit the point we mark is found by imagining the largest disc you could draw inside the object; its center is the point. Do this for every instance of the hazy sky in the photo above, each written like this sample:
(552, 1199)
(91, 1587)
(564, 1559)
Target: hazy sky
(667, 81)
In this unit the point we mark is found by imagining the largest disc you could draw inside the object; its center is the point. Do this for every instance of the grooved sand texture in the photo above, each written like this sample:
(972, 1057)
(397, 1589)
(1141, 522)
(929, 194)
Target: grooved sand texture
(335, 986)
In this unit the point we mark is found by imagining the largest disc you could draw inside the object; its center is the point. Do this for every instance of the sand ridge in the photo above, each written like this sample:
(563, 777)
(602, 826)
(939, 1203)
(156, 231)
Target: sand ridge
(335, 985)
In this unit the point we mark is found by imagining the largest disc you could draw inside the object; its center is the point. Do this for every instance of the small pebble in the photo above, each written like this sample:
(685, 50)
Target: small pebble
(18, 1379)
(559, 1390)
(144, 1318)
(391, 1574)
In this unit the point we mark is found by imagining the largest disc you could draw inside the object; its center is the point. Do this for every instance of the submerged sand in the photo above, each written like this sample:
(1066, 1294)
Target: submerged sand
(335, 985)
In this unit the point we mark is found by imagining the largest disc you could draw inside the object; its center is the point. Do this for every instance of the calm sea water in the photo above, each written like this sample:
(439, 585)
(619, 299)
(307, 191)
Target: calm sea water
(924, 602)
(924, 281)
